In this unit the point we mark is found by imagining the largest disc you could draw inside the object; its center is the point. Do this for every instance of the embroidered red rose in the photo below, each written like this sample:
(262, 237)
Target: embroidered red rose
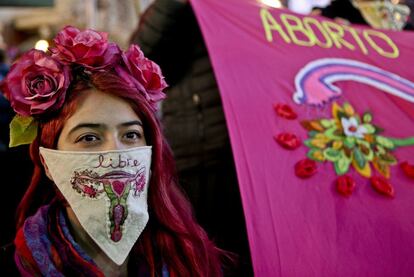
(345, 185)
(408, 169)
(142, 74)
(288, 140)
(36, 83)
(305, 168)
(88, 48)
(382, 185)
(285, 111)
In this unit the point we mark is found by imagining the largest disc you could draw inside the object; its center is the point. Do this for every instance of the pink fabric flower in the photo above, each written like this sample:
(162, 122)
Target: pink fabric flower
(142, 74)
(88, 48)
(36, 83)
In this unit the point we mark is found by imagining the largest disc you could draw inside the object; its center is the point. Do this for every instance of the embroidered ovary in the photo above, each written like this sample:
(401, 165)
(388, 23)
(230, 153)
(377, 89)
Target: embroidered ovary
(117, 186)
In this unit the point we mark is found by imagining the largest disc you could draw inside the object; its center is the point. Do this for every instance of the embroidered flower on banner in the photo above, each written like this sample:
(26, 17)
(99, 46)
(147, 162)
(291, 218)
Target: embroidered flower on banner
(351, 140)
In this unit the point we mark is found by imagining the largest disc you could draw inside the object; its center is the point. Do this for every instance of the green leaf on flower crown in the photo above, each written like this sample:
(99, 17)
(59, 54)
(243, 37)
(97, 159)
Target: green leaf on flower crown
(359, 158)
(367, 117)
(386, 142)
(342, 165)
(23, 130)
(332, 154)
(349, 142)
(316, 155)
(369, 128)
(311, 134)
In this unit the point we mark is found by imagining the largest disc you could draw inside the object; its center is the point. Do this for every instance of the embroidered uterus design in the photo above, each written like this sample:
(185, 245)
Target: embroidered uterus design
(117, 186)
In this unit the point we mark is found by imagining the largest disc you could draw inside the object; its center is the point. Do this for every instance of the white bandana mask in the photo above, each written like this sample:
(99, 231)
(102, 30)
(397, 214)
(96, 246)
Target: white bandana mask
(107, 192)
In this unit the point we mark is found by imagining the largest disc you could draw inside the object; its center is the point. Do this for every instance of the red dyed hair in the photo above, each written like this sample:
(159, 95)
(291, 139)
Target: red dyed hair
(180, 242)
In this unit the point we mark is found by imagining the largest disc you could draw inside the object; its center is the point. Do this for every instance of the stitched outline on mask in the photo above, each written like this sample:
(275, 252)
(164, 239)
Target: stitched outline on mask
(117, 186)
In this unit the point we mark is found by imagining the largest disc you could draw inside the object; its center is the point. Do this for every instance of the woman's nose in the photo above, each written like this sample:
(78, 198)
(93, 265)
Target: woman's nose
(113, 143)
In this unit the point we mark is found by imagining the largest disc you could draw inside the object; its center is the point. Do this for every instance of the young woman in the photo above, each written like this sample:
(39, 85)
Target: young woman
(103, 200)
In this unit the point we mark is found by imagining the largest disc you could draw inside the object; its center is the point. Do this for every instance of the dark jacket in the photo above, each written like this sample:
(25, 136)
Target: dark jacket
(7, 264)
(195, 125)
(192, 113)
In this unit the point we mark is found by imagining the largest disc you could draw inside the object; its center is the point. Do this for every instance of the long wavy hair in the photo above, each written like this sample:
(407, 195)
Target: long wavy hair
(172, 236)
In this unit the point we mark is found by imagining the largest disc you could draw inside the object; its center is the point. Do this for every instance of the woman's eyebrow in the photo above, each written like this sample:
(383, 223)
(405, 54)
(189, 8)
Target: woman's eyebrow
(130, 123)
(87, 125)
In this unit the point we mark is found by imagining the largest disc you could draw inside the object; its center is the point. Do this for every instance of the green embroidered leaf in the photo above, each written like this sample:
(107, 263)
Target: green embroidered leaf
(367, 117)
(359, 158)
(332, 154)
(308, 143)
(381, 167)
(316, 143)
(362, 142)
(311, 134)
(386, 142)
(312, 125)
(380, 150)
(388, 158)
(378, 129)
(23, 130)
(327, 123)
(316, 155)
(342, 165)
(349, 110)
(365, 149)
(331, 133)
(349, 142)
(369, 128)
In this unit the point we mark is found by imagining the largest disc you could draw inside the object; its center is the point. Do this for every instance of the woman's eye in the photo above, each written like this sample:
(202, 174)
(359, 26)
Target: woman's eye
(88, 138)
(133, 135)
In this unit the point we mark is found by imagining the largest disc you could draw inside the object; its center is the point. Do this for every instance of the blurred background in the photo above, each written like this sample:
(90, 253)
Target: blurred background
(28, 23)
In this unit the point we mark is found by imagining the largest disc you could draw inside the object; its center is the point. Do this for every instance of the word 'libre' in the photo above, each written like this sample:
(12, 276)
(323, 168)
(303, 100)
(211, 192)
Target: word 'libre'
(303, 31)
(117, 163)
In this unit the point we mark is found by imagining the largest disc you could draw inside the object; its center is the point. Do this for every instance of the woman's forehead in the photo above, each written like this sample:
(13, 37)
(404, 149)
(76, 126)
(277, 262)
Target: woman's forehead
(95, 106)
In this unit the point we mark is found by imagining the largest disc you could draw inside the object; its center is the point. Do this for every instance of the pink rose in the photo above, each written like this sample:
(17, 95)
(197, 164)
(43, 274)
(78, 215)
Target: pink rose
(143, 74)
(36, 83)
(88, 48)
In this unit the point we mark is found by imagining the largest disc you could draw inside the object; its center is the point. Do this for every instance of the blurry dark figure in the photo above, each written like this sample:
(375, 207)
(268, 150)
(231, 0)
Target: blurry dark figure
(16, 162)
(195, 125)
(381, 14)
(6, 112)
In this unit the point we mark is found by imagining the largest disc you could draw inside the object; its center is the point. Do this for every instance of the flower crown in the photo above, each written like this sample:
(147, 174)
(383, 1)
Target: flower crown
(38, 82)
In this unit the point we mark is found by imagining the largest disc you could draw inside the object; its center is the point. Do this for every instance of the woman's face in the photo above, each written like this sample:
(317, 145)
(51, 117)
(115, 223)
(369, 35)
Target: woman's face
(101, 122)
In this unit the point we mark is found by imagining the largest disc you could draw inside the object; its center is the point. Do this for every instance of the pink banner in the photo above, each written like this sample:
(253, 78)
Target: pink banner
(321, 119)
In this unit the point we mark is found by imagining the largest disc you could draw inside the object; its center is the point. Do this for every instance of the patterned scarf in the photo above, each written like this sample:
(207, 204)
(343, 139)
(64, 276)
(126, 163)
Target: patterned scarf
(45, 247)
